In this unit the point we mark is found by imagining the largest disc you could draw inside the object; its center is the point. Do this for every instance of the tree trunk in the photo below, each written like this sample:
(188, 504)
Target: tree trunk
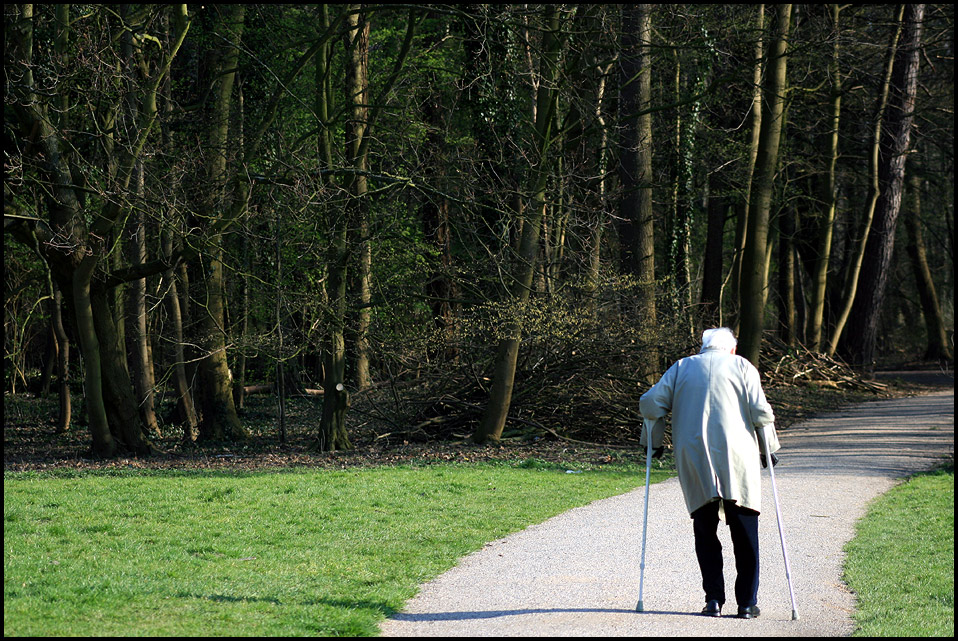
(363, 113)
(104, 445)
(598, 225)
(441, 289)
(711, 315)
(859, 346)
(143, 380)
(823, 248)
(119, 400)
(938, 348)
(219, 418)
(184, 398)
(280, 357)
(680, 218)
(63, 362)
(239, 377)
(50, 359)
(357, 92)
(741, 222)
(636, 229)
(755, 258)
(503, 376)
(332, 432)
(787, 274)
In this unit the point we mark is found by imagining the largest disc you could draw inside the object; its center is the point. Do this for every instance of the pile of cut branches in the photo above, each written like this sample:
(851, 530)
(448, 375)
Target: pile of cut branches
(588, 395)
(783, 365)
(576, 402)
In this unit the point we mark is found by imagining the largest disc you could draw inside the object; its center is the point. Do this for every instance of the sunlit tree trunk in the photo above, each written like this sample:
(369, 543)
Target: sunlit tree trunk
(823, 248)
(741, 222)
(602, 219)
(636, 229)
(357, 93)
(219, 418)
(755, 258)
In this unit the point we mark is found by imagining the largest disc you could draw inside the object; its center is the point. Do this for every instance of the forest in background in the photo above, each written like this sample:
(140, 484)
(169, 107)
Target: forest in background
(459, 216)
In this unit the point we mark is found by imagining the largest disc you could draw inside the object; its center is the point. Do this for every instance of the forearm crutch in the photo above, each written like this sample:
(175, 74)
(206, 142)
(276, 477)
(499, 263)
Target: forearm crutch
(778, 515)
(645, 522)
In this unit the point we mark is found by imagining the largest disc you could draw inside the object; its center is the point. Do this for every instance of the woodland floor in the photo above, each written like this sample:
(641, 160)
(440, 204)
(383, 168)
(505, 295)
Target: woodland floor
(31, 443)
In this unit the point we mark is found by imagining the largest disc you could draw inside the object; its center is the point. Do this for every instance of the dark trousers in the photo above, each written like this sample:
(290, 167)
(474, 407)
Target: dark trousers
(743, 527)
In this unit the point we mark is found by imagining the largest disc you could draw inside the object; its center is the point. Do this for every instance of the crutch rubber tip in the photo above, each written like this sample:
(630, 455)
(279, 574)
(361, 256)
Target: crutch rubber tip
(794, 615)
(640, 607)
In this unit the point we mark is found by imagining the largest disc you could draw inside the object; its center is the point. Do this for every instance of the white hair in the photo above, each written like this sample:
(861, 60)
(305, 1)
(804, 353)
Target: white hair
(721, 338)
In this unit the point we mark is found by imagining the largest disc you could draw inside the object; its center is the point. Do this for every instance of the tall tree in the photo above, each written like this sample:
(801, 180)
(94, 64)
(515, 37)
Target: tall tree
(636, 220)
(507, 351)
(754, 264)
(357, 157)
(184, 397)
(219, 418)
(364, 111)
(144, 380)
(741, 221)
(857, 253)
(691, 76)
(816, 325)
(332, 433)
(895, 142)
(87, 203)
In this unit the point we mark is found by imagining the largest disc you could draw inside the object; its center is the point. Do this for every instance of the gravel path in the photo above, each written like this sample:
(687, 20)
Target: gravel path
(578, 573)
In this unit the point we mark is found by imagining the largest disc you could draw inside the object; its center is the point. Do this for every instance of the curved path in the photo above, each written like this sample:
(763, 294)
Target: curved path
(578, 574)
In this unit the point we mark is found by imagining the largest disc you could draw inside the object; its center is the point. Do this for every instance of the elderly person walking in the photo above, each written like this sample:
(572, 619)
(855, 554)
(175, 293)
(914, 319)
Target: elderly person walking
(717, 404)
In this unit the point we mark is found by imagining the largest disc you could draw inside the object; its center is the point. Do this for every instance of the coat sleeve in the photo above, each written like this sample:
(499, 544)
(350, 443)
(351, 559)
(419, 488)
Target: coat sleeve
(760, 411)
(654, 405)
(657, 402)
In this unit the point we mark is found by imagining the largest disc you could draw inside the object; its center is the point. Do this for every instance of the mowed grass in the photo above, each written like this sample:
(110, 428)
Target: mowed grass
(285, 553)
(901, 563)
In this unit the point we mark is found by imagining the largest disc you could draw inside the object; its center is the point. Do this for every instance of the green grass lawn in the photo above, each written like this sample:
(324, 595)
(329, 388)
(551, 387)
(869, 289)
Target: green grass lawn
(283, 553)
(319, 552)
(901, 563)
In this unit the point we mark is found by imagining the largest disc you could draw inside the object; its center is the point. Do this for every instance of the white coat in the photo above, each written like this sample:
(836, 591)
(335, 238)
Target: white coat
(717, 404)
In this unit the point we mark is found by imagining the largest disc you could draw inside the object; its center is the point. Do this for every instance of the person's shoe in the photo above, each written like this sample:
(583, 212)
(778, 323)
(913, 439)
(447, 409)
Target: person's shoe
(749, 612)
(712, 609)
